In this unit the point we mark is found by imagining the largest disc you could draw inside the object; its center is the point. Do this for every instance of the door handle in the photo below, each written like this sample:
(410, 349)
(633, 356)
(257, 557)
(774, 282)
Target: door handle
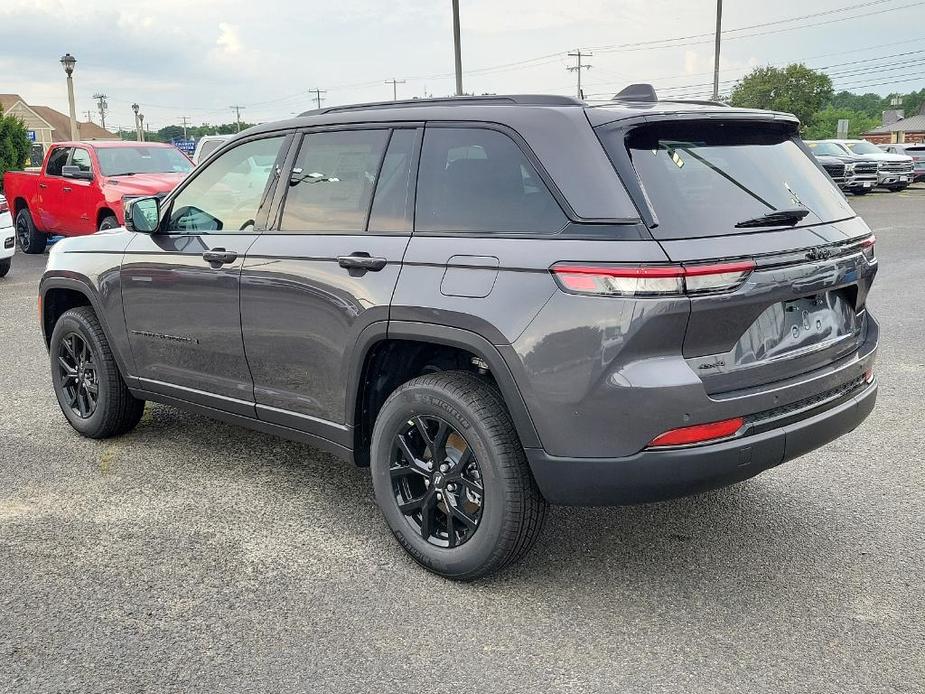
(219, 256)
(66, 189)
(361, 261)
(43, 186)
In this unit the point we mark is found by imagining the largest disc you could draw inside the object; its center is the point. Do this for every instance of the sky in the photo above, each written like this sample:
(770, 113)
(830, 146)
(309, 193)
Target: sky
(196, 58)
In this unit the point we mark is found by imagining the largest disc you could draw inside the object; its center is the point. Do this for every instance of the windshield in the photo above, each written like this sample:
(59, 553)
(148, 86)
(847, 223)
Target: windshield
(826, 148)
(703, 178)
(119, 161)
(864, 148)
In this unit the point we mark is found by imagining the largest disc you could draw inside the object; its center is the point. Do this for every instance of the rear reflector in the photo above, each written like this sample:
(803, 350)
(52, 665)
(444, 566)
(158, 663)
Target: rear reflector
(869, 375)
(699, 433)
(867, 246)
(652, 280)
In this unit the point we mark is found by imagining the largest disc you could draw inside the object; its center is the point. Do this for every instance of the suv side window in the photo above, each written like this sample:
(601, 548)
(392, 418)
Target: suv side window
(332, 181)
(226, 195)
(57, 160)
(479, 180)
(81, 159)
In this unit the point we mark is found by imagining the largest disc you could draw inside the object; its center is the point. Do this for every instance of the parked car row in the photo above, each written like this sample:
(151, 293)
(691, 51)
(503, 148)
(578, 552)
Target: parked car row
(866, 166)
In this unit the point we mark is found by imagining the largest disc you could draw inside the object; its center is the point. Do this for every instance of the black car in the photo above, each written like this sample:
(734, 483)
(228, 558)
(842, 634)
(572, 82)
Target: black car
(497, 303)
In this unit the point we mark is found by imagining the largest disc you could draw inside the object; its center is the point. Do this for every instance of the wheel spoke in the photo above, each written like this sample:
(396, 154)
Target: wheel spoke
(450, 531)
(69, 371)
(68, 345)
(473, 485)
(463, 461)
(464, 517)
(414, 463)
(427, 514)
(412, 506)
(81, 405)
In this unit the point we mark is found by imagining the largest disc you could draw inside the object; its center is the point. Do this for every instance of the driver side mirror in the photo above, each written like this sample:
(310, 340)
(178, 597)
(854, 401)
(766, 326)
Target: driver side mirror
(77, 173)
(142, 215)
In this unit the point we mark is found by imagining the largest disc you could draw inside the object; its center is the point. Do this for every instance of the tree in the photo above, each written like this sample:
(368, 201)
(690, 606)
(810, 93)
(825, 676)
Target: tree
(14, 144)
(794, 89)
(824, 124)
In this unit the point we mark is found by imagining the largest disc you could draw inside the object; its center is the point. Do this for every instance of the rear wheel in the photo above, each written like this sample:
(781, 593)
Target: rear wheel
(451, 477)
(5, 266)
(86, 378)
(861, 191)
(31, 240)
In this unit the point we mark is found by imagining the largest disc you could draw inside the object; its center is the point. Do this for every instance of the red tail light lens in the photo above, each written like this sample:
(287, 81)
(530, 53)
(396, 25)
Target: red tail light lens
(867, 247)
(4, 206)
(699, 433)
(652, 280)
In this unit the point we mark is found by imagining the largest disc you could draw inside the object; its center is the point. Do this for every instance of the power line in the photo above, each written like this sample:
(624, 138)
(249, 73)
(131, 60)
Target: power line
(394, 82)
(318, 92)
(103, 106)
(578, 67)
(237, 111)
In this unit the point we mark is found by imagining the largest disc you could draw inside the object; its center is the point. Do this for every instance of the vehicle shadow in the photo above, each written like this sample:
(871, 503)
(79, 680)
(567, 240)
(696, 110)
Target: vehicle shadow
(752, 534)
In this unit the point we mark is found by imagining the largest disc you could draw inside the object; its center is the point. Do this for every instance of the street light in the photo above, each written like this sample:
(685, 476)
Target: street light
(135, 108)
(68, 62)
(141, 127)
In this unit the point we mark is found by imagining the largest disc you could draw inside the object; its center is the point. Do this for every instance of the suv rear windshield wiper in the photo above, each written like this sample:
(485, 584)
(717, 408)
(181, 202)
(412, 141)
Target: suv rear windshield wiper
(775, 218)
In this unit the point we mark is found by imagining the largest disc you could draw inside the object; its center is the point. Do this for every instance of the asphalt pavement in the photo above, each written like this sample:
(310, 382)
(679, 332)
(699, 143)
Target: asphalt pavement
(193, 556)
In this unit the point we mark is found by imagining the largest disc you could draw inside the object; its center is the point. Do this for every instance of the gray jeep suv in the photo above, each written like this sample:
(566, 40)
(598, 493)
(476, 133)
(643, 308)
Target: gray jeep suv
(496, 303)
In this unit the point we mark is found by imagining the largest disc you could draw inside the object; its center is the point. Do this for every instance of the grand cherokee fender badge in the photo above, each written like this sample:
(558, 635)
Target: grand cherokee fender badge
(162, 336)
(712, 365)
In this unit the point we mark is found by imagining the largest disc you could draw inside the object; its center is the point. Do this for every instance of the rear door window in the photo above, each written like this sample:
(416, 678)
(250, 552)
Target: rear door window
(704, 178)
(479, 180)
(331, 185)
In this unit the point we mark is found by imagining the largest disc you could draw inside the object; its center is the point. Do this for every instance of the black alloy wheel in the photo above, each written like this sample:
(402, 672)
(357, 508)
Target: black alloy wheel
(79, 376)
(436, 481)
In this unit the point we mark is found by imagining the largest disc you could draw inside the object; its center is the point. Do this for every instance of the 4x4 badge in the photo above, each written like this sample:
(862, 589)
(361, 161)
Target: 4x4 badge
(818, 254)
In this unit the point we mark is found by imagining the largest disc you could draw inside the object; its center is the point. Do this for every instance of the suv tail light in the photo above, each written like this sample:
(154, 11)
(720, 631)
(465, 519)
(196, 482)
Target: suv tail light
(652, 280)
(867, 246)
(699, 433)
(4, 206)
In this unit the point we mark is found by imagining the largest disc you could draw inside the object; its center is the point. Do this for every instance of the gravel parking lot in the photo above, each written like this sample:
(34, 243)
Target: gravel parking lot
(192, 556)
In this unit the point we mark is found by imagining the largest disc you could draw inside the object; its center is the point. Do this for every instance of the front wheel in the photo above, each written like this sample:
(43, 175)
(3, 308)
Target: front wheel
(86, 378)
(109, 222)
(31, 240)
(451, 476)
(5, 266)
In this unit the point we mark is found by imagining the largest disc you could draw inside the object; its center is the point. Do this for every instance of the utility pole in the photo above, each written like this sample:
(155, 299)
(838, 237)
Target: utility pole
(578, 67)
(141, 127)
(318, 92)
(237, 111)
(394, 83)
(89, 116)
(135, 108)
(719, 31)
(186, 122)
(103, 106)
(457, 48)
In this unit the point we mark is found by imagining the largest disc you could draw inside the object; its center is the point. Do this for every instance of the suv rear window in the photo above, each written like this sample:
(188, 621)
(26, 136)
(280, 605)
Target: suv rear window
(704, 178)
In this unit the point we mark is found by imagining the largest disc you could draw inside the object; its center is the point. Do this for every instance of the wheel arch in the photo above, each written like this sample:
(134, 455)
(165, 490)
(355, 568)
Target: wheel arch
(58, 294)
(424, 336)
(103, 212)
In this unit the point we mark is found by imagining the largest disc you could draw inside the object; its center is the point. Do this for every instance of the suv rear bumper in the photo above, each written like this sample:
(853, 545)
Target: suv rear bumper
(655, 475)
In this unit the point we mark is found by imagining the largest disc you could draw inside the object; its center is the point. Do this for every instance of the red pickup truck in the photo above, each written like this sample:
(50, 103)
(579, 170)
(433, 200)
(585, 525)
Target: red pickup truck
(81, 187)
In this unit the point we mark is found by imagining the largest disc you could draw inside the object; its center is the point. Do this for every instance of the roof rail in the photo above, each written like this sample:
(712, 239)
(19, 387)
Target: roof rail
(701, 102)
(521, 99)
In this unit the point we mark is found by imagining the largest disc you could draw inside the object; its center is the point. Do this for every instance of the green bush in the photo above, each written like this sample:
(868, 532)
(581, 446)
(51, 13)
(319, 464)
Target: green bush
(14, 145)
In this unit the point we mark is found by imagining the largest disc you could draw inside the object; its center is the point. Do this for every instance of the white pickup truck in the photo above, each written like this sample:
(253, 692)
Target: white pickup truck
(7, 237)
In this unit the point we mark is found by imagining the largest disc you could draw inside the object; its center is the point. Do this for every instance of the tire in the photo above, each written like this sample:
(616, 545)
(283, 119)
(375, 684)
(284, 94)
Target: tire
(30, 239)
(511, 509)
(115, 411)
(109, 222)
(5, 266)
(861, 191)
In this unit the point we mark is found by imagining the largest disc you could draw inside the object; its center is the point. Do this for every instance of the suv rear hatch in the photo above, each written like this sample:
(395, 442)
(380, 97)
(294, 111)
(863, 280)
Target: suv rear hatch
(747, 190)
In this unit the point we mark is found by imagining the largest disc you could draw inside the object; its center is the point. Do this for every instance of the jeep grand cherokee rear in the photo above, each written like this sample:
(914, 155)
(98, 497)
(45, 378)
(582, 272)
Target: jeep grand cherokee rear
(747, 345)
(494, 302)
